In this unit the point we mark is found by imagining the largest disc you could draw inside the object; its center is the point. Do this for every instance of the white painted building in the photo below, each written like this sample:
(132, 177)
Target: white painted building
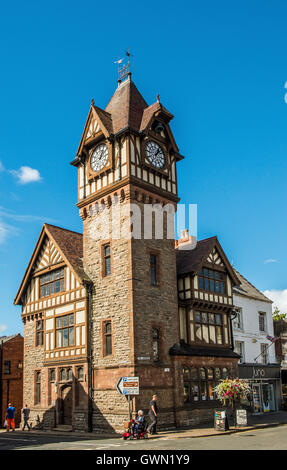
(251, 327)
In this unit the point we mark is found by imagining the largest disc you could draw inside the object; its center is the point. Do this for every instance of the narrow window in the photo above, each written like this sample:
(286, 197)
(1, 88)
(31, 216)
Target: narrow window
(155, 344)
(70, 374)
(107, 260)
(262, 321)
(107, 338)
(39, 332)
(264, 353)
(153, 270)
(7, 367)
(80, 373)
(38, 387)
(52, 375)
(63, 375)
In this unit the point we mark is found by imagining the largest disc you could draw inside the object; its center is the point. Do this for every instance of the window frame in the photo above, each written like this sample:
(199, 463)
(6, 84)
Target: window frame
(238, 310)
(105, 258)
(207, 279)
(199, 378)
(207, 326)
(39, 333)
(38, 387)
(68, 327)
(7, 370)
(107, 336)
(260, 316)
(53, 282)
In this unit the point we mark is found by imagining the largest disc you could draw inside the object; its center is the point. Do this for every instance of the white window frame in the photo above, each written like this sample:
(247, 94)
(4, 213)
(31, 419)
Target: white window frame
(235, 320)
(262, 315)
(240, 350)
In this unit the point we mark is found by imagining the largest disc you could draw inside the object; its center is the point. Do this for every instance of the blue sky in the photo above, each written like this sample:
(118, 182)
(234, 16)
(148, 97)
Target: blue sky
(220, 68)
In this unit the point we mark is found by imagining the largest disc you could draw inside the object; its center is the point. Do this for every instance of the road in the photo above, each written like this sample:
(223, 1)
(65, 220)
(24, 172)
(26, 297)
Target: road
(261, 439)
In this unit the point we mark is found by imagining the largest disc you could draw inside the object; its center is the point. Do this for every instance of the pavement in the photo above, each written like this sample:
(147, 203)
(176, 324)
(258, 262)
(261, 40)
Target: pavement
(261, 421)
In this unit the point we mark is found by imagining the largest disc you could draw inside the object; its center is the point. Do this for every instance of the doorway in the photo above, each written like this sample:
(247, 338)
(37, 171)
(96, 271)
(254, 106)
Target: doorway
(67, 405)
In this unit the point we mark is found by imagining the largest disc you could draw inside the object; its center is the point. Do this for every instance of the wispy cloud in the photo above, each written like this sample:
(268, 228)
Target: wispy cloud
(2, 328)
(1, 166)
(271, 260)
(279, 298)
(26, 174)
(4, 213)
(5, 231)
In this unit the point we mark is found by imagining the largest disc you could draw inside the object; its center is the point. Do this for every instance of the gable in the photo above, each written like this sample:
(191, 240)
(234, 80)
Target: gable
(214, 258)
(98, 122)
(48, 255)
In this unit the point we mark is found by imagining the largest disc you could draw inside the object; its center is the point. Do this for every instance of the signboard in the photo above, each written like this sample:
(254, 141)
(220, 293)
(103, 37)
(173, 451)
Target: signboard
(128, 386)
(220, 421)
(241, 418)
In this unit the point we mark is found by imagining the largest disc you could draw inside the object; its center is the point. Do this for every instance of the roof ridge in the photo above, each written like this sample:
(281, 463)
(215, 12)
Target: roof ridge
(259, 291)
(62, 228)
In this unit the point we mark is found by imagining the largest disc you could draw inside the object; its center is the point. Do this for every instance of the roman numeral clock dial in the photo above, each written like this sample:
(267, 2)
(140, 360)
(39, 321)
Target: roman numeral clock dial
(154, 154)
(99, 157)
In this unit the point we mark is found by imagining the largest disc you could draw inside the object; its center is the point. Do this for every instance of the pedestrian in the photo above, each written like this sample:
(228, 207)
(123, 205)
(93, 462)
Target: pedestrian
(153, 413)
(26, 416)
(10, 417)
(139, 423)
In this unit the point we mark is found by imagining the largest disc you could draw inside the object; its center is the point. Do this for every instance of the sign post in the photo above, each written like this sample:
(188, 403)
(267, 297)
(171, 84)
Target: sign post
(128, 386)
(241, 417)
(220, 421)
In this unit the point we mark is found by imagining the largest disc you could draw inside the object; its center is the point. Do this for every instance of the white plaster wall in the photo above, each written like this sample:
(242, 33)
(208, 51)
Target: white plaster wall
(250, 331)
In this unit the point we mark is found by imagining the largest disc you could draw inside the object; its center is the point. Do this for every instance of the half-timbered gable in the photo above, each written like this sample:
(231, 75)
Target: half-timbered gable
(54, 310)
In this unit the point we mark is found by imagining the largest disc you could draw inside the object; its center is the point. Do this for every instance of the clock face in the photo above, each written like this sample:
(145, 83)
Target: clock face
(99, 157)
(155, 154)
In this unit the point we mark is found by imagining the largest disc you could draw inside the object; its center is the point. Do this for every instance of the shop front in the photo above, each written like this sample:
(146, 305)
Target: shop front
(264, 381)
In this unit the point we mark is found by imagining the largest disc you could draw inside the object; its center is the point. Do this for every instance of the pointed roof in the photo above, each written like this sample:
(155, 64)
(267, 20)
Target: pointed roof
(126, 107)
(191, 261)
(69, 244)
(249, 290)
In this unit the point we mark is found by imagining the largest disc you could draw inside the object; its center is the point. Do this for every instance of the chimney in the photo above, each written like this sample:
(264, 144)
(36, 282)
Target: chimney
(186, 241)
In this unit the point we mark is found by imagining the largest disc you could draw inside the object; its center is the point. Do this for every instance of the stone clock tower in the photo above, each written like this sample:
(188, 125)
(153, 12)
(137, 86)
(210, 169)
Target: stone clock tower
(126, 165)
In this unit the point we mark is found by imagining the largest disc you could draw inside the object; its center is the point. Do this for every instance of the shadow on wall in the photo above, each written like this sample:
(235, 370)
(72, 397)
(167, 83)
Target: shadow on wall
(69, 411)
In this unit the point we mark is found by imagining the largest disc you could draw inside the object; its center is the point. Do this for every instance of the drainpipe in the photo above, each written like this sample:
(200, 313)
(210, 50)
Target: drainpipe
(89, 288)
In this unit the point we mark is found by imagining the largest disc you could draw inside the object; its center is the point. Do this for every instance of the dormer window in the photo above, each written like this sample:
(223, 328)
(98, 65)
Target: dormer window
(212, 281)
(52, 283)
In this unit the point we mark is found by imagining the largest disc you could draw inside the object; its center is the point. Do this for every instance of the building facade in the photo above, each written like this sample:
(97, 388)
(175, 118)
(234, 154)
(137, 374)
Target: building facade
(280, 330)
(123, 299)
(253, 340)
(11, 375)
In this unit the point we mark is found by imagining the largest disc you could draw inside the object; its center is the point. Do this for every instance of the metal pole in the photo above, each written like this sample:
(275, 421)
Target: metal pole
(129, 400)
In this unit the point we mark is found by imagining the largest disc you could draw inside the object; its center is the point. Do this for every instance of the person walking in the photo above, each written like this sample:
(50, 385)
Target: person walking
(10, 417)
(153, 413)
(26, 416)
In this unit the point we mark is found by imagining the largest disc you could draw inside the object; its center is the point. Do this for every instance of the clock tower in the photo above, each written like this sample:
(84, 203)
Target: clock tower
(127, 196)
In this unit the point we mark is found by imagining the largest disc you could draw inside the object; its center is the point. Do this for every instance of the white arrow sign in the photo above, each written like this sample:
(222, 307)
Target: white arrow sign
(128, 385)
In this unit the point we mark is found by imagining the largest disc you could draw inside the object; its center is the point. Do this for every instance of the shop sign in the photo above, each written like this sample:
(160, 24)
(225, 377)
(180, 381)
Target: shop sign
(241, 417)
(220, 421)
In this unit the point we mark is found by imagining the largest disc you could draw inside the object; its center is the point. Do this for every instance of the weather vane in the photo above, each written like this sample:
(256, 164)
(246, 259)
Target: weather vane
(124, 70)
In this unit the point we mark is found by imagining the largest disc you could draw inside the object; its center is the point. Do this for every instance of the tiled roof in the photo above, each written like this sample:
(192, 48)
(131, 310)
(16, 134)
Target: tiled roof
(71, 245)
(126, 107)
(188, 261)
(247, 289)
(4, 339)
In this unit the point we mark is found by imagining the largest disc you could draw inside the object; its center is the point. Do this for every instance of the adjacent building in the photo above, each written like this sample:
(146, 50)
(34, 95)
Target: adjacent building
(123, 299)
(11, 375)
(280, 330)
(254, 341)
